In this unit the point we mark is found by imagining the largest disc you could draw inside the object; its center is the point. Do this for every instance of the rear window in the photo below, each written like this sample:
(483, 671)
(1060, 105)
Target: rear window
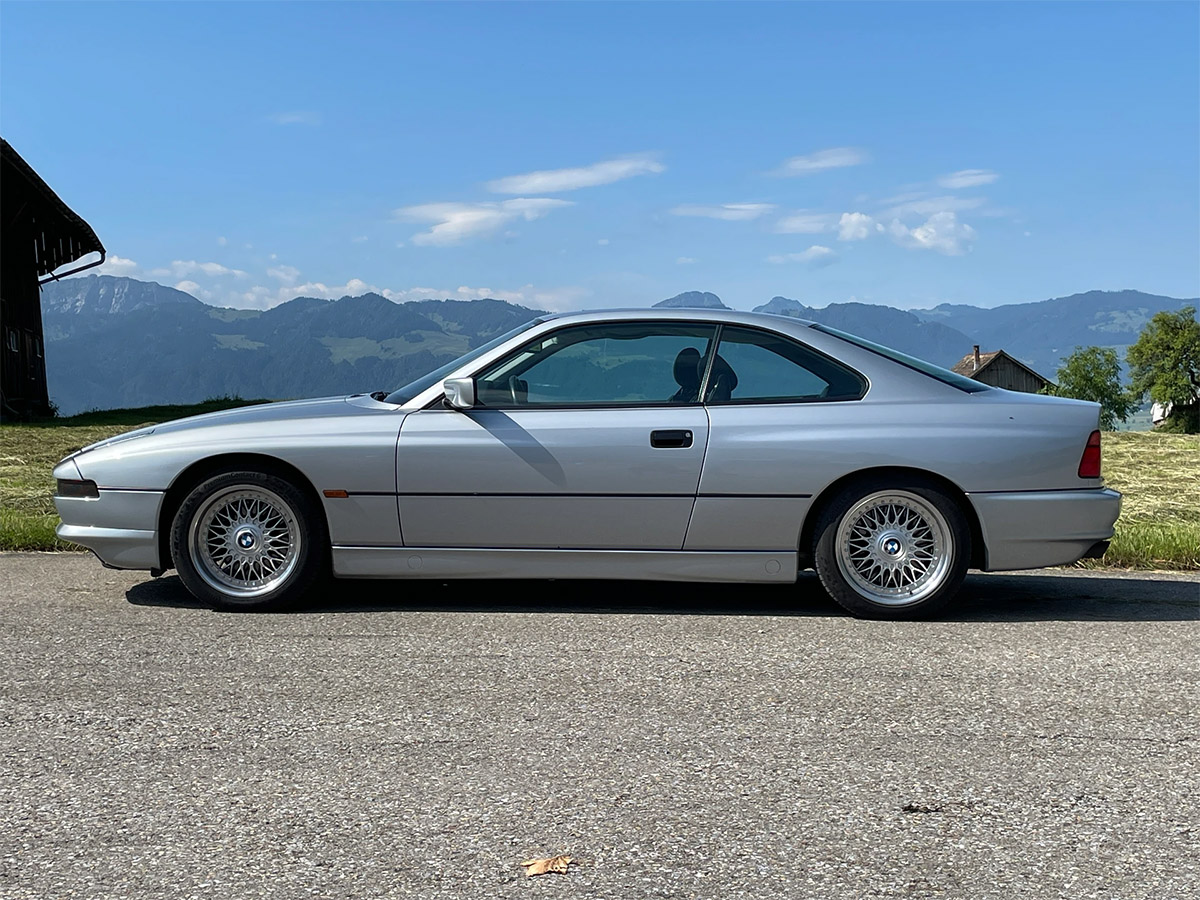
(945, 376)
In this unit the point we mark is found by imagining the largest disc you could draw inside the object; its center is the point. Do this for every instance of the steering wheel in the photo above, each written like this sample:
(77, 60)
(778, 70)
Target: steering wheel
(514, 390)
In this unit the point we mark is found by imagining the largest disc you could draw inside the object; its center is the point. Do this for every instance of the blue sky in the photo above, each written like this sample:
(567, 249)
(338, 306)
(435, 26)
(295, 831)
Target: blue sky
(590, 155)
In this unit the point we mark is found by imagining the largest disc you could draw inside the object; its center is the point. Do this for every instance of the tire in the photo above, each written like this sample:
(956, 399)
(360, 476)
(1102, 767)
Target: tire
(890, 548)
(249, 541)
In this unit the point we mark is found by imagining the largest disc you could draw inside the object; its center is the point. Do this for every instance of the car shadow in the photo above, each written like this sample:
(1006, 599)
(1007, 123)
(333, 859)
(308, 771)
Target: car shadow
(1053, 596)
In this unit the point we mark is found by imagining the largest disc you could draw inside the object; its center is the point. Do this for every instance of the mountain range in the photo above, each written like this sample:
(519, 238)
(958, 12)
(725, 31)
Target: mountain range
(115, 342)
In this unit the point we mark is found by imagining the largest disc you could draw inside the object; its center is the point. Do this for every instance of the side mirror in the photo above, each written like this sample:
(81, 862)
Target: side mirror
(460, 392)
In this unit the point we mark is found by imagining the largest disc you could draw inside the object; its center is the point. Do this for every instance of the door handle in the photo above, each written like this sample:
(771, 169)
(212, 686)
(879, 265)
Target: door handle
(672, 439)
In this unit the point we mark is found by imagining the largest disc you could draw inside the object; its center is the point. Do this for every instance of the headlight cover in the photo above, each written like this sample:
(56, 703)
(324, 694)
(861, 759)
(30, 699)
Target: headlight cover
(77, 489)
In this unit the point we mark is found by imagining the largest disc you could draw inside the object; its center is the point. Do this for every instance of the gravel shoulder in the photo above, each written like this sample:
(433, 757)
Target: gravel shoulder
(421, 740)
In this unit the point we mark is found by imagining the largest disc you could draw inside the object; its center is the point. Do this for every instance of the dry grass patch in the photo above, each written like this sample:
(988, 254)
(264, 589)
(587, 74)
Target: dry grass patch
(1159, 474)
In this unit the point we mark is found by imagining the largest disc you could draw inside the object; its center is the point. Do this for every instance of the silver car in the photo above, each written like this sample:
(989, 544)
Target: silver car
(679, 445)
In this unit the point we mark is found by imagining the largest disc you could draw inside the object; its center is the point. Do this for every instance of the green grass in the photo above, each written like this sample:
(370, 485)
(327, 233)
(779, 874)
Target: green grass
(29, 452)
(1159, 474)
(125, 419)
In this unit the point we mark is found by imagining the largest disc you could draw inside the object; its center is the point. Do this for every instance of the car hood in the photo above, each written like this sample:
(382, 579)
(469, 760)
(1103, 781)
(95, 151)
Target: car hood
(250, 415)
(266, 412)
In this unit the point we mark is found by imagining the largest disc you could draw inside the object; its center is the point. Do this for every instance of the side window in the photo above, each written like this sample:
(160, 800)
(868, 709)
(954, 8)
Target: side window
(757, 366)
(623, 364)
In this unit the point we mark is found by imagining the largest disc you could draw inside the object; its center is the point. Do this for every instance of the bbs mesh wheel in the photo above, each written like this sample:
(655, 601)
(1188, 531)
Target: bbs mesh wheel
(891, 549)
(248, 540)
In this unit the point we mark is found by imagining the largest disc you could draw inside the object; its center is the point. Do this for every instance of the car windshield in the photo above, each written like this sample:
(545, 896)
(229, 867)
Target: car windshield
(925, 368)
(413, 388)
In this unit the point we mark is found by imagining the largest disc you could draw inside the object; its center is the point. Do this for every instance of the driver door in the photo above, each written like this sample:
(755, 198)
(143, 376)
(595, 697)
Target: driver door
(590, 437)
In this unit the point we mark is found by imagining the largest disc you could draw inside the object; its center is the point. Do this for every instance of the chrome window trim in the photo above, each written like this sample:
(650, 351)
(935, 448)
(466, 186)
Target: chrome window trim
(864, 382)
(434, 399)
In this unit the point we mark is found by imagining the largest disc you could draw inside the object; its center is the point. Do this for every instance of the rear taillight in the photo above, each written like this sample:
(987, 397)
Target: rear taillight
(1089, 463)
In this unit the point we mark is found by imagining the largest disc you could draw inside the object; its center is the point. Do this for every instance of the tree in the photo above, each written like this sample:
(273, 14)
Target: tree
(1094, 373)
(1165, 363)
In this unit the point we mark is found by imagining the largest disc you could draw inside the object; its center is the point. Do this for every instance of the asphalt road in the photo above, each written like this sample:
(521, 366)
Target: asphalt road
(421, 740)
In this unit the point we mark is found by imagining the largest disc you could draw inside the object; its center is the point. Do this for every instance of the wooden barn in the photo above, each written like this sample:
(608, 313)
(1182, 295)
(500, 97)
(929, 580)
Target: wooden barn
(1001, 370)
(39, 235)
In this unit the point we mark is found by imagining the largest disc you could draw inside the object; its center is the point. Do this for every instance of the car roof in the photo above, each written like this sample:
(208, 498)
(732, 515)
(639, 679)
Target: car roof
(682, 314)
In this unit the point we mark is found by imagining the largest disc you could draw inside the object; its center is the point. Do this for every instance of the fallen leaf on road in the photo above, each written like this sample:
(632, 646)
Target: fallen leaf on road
(920, 808)
(550, 864)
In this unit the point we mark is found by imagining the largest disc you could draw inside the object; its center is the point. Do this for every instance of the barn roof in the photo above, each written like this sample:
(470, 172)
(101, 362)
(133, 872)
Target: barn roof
(966, 365)
(61, 236)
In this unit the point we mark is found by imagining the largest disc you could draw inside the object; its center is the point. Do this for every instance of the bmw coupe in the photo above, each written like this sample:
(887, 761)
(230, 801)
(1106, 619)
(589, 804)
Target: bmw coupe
(681, 445)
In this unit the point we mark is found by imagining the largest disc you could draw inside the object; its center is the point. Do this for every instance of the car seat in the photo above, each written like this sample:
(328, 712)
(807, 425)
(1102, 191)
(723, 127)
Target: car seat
(687, 376)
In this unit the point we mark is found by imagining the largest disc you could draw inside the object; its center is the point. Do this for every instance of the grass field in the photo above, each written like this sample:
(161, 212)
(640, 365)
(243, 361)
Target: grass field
(28, 453)
(1159, 474)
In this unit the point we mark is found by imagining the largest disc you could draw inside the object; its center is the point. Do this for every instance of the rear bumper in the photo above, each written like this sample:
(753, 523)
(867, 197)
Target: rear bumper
(120, 527)
(1032, 529)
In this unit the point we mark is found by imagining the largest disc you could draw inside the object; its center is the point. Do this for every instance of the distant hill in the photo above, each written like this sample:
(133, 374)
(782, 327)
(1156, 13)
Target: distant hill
(692, 299)
(103, 295)
(896, 328)
(1043, 332)
(116, 342)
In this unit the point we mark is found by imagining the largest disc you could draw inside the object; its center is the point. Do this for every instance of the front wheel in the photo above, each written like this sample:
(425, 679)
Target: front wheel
(892, 550)
(248, 541)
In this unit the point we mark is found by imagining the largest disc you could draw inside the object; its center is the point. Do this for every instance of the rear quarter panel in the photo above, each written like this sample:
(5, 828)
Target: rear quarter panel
(992, 441)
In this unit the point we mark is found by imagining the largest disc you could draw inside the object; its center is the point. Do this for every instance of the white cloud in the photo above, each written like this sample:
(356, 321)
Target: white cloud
(603, 242)
(182, 268)
(295, 117)
(556, 299)
(265, 297)
(917, 205)
(815, 257)
(729, 212)
(115, 265)
(222, 291)
(454, 222)
(834, 158)
(200, 293)
(906, 197)
(805, 222)
(966, 178)
(553, 181)
(685, 260)
(359, 239)
(856, 226)
(221, 242)
(285, 274)
(941, 232)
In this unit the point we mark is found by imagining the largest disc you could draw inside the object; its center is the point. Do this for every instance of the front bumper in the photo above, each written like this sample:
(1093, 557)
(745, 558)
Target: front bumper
(1032, 529)
(120, 527)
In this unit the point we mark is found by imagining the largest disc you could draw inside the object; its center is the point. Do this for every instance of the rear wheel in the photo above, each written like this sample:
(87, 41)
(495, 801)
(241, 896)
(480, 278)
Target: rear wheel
(248, 541)
(889, 549)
